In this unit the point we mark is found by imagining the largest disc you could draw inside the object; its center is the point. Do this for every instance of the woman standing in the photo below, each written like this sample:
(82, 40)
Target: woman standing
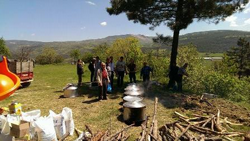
(79, 68)
(103, 80)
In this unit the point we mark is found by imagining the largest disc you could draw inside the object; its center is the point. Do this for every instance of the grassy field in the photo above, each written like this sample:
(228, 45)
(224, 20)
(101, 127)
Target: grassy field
(45, 94)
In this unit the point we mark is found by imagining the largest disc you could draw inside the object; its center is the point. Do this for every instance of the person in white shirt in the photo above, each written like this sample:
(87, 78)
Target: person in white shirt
(120, 70)
(112, 69)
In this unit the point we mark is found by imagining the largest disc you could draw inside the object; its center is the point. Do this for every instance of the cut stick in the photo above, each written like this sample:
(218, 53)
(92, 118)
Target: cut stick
(154, 115)
(184, 131)
(208, 120)
(89, 130)
(228, 122)
(180, 115)
(126, 128)
(218, 124)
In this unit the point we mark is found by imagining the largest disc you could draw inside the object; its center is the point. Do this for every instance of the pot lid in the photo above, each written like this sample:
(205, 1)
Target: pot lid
(134, 104)
(72, 88)
(132, 98)
(132, 87)
(133, 93)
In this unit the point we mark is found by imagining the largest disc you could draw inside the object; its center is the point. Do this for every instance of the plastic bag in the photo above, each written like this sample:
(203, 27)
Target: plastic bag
(68, 117)
(46, 130)
(4, 126)
(109, 88)
(59, 124)
(31, 116)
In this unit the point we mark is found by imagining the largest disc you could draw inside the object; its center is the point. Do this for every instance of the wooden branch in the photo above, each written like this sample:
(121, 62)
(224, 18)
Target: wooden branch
(154, 115)
(228, 122)
(64, 136)
(143, 133)
(155, 129)
(184, 131)
(217, 123)
(180, 115)
(89, 130)
(78, 132)
(117, 133)
(208, 120)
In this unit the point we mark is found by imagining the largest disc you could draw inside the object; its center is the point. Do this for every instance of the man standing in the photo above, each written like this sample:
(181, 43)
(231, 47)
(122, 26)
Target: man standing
(120, 70)
(145, 72)
(132, 70)
(173, 70)
(182, 71)
(92, 69)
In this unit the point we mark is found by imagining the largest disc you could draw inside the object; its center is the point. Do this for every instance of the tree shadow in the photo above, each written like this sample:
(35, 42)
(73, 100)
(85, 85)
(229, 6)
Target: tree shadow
(90, 101)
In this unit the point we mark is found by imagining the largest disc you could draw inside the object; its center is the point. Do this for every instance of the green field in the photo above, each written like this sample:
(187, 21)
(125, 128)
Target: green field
(46, 90)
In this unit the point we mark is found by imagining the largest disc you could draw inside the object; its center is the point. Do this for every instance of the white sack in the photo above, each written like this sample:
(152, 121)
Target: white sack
(4, 126)
(59, 124)
(46, 131)
(68, 117)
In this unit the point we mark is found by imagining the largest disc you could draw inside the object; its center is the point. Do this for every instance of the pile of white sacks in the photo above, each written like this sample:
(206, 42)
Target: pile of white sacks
(47, 128)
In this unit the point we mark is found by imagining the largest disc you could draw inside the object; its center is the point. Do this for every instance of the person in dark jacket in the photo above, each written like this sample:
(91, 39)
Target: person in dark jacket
(92, 69)
(181, 72)
(173, 72)
(145, 72)
(79, 68)
(132, 70)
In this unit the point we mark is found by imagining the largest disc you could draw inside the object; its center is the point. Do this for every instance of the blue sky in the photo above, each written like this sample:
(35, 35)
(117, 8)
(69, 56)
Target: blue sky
(74, 20)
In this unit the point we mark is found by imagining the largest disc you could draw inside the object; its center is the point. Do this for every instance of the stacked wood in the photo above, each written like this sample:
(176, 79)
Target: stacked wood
(152, 133)
(102, 135)
(198, 128)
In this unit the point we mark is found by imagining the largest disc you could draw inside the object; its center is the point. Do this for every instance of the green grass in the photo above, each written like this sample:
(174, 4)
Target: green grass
(45, 91)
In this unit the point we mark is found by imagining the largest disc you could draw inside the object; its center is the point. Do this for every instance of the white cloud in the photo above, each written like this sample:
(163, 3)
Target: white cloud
(33, 34)
(90, 3)
(232, 19)
(247, 22)
(83, 28)
(103, 23)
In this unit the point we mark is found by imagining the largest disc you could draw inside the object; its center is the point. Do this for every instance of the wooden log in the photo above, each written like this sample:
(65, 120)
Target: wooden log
(78, 132)
(98, 136)
(228, 122)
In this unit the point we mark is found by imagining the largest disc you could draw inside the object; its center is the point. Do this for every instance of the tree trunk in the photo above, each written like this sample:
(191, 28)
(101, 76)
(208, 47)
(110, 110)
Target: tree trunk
(176, 33)
(174, 47)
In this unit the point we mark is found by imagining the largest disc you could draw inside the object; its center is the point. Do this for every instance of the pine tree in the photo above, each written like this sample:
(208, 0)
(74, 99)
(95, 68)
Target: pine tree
(240, 56)
(176, 14)
(3, 48)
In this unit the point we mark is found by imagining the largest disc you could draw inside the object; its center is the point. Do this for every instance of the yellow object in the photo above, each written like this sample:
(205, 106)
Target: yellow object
(15, 108)
(9, 82)
(5, 83)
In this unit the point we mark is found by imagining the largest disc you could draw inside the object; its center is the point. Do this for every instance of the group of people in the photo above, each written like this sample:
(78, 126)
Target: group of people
(176, 75)
(103, 73)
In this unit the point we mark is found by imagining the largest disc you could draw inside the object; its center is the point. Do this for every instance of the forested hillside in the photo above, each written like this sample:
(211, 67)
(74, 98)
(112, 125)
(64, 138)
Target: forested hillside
(208, 41)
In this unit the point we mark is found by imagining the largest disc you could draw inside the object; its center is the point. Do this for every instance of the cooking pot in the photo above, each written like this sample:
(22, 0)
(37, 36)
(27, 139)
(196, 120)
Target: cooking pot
(130, 98)
(70, 92)
(134, 112)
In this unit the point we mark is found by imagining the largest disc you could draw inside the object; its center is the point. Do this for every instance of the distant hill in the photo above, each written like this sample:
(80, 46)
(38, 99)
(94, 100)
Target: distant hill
(209, 41)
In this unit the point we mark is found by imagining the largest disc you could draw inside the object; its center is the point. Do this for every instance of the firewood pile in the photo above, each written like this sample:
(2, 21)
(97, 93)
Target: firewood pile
(199, 127)
(151, 133)
(102, 135)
